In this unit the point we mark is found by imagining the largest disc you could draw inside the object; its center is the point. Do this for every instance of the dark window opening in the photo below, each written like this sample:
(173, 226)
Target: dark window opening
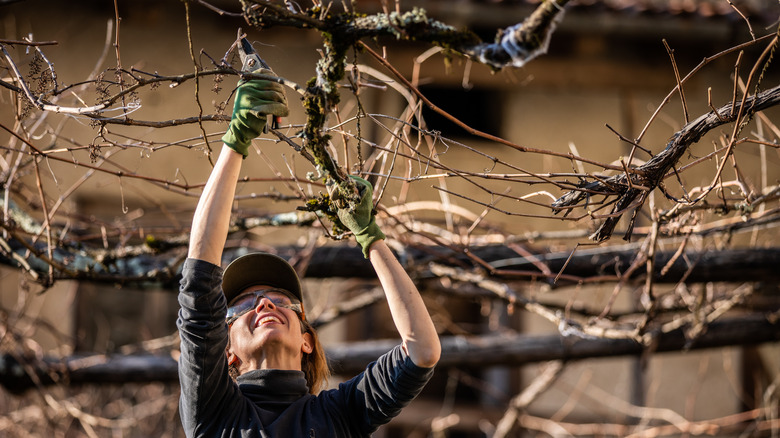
(477, 108)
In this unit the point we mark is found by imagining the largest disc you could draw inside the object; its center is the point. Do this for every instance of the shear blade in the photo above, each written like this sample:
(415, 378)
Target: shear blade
(250, 60)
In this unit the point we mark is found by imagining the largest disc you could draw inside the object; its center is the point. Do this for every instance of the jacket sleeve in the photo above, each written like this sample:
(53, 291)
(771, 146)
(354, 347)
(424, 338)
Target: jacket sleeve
(206, 388)
(379, 393)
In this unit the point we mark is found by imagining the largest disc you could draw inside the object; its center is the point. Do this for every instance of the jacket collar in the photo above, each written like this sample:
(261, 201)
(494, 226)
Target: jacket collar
(273, 385)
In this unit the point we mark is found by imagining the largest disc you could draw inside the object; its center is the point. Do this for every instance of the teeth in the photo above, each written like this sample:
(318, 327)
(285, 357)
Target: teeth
(267, 319)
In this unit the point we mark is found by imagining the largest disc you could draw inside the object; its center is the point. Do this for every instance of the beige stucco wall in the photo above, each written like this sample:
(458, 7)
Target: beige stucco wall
(549, 104)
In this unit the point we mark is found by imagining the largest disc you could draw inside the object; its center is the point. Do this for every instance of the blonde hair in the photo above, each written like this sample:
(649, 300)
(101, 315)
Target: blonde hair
(314, 365)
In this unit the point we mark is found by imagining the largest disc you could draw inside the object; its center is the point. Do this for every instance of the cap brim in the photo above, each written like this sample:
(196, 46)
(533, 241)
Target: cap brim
(259, 269)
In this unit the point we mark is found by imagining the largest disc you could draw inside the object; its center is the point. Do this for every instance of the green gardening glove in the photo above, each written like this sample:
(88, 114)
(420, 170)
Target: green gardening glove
(254, 100)
(360, 220)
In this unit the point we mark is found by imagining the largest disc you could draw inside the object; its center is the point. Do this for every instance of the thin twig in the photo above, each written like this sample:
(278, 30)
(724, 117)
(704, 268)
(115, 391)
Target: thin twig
(747, 22)
(521, 401)
(473, 131)
(27, 43)
(738, 124)
(690, 74)
(197, 82)
(679, 84)
(220, 11)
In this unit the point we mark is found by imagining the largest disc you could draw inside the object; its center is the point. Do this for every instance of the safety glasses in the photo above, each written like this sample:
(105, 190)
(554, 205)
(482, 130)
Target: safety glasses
(248, 302)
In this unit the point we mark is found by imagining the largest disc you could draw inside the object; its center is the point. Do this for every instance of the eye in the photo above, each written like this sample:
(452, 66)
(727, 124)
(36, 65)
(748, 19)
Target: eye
(242, 301)
(235, 312)
(278, 299)
(240, 307)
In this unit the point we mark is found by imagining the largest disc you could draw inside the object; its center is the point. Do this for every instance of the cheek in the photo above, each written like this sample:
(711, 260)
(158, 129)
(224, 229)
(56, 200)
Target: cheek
(231, 342)
(235, 341)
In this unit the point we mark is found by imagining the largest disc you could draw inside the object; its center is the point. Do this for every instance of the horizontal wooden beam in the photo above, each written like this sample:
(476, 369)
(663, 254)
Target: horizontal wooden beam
(346, 261)
(518, 349)
(458, 351)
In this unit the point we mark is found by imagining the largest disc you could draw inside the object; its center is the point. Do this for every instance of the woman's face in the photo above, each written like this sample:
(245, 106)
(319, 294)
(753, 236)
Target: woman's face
(268, 335)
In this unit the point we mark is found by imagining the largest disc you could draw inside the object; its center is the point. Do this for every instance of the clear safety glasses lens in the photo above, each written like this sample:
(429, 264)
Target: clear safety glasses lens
(248, 302)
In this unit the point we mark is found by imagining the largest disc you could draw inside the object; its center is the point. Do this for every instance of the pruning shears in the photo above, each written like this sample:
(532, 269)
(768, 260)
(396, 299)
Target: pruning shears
(251, 62)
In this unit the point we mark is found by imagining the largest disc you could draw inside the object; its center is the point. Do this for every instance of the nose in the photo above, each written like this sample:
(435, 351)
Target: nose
(264, 302)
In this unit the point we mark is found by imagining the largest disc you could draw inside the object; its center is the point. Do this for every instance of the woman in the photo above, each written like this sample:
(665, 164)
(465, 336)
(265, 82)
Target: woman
(257, 330)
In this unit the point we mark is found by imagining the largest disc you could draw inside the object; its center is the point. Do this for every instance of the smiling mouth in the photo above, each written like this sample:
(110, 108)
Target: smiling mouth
(267, 320)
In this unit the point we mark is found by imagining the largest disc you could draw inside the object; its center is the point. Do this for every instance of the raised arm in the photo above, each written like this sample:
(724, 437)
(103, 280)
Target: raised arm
(254, 100)
(409, 313)
(212, 216)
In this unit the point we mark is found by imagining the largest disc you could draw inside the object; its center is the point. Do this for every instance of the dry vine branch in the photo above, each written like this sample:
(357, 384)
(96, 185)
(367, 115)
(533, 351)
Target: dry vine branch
(463, 229)
(514, 46)
(342, 31)
(654, 171)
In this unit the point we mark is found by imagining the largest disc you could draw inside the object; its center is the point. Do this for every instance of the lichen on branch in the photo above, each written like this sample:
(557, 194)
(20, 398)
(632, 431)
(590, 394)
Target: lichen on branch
(342, 30)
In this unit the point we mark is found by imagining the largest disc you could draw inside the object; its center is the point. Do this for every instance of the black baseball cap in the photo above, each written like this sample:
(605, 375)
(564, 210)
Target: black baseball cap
(260, 268)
